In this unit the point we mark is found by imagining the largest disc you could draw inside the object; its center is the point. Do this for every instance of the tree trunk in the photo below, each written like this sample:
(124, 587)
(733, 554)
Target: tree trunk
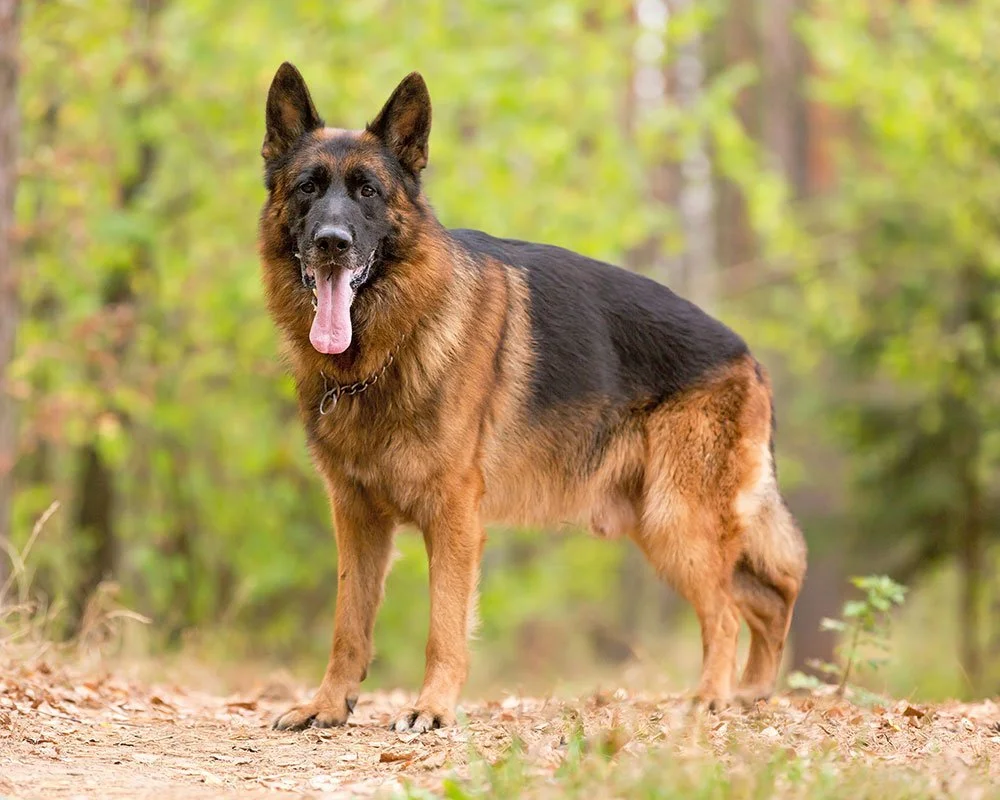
(822, 596)
(181, 545)
(95, 522)
(967, 437)
(697, 197)
(971, 555)
(782, 130)
(9, 279)
(978, 291)
(736, 243)
(970, 529)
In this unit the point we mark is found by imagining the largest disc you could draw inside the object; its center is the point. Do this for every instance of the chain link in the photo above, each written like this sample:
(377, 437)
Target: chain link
(332, 395)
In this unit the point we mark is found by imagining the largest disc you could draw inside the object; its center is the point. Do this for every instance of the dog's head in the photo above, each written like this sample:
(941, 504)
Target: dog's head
(345, 196)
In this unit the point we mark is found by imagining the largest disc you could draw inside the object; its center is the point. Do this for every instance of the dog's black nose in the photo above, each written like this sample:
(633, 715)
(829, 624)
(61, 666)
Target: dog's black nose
(331, 239)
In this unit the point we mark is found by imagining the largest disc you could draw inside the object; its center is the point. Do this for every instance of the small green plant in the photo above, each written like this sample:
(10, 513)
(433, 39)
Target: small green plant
(864, 629)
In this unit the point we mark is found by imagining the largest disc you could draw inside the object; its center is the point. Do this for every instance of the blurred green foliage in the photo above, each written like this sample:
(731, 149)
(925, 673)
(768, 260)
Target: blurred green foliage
(865, 628)
(901, 280)
(147, 337)
(901, 285)
(146, 346)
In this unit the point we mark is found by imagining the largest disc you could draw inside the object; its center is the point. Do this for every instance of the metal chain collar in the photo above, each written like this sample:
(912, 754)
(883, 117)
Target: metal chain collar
(332, 394)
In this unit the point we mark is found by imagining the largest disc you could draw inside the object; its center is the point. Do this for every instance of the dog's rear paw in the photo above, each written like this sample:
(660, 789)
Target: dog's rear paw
(749, 696)
(420, 720)
(319, 713)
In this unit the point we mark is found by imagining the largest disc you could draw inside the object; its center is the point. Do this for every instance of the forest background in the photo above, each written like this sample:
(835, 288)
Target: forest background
(824, 176)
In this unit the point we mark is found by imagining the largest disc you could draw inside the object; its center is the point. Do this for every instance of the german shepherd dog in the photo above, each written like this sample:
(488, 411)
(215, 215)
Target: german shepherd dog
(447, 378)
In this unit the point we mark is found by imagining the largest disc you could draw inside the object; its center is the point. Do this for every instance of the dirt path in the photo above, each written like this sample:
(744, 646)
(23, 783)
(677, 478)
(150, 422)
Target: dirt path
(63, 736)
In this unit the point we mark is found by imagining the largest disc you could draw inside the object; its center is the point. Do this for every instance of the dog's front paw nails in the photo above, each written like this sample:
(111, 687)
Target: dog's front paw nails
(710, 702)
(421, 719)
(319, 713)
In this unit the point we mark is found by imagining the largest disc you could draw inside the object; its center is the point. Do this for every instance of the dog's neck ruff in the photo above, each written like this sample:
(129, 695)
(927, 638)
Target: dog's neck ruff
(332, 391)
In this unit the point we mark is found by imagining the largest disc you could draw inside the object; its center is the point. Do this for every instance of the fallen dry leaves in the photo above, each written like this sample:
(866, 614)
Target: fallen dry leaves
(65, 735)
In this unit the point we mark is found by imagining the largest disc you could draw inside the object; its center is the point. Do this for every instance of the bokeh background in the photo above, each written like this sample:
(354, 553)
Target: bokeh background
(824, 176)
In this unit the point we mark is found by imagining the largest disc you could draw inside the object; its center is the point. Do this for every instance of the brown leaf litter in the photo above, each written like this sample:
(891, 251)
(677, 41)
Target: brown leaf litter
(65, 735)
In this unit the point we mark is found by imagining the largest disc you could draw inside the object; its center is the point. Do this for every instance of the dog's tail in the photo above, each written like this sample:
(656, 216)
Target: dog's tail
(774, 552)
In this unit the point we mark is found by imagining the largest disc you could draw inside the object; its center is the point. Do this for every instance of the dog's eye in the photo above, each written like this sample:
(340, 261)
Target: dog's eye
(307, 187)
(367, 190)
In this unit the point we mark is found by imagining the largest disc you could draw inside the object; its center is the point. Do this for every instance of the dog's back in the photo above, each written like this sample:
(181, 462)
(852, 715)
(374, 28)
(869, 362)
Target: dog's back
(604, 334)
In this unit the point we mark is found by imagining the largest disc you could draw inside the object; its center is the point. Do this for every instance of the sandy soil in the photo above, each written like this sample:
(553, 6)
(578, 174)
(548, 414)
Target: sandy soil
(64, 735)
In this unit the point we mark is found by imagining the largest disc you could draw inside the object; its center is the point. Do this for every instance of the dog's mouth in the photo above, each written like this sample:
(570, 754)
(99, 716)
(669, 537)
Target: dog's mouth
(308, 273)
(333, 287)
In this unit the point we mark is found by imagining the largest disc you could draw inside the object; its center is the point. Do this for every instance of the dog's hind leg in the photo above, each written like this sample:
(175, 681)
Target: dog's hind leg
(689, 559)
(720, 626)
(767, 580)
(713, 524)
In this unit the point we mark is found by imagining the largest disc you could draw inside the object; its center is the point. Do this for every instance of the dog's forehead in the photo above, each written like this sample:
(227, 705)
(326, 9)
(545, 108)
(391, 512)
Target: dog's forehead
(326, 134)
(340, 148)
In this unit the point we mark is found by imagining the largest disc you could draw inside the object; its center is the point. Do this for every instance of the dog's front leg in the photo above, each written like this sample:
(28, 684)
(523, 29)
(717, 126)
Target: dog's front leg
(364, 544)
(454, 539)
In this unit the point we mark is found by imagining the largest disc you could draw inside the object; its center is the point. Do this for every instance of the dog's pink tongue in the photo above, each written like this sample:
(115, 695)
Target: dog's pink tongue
(331, 328)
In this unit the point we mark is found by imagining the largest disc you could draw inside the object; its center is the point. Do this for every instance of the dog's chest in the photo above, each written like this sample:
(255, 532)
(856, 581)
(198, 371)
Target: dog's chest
(386, 456)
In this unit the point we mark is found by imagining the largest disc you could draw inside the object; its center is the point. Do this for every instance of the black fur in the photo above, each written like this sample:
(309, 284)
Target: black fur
(290, 114)
(759, 372)
(603, 333)
(404, 124)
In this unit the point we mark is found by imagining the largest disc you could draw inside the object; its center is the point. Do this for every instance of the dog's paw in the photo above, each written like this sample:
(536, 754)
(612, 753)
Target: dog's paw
(749, 696)
(419, 719)
(320, 712)
(710, 702)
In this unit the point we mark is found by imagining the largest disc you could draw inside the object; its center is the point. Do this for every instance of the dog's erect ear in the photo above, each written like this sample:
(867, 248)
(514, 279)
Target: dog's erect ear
(404, 123)
(290, 112)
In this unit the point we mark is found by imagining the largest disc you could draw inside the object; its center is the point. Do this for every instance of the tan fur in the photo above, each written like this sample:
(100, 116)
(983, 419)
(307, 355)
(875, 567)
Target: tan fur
(326, 134)
(445, 441)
